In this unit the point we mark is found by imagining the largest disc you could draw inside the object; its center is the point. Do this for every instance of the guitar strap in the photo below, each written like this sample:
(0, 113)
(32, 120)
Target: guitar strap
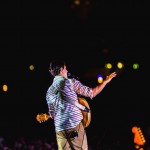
(76, 104)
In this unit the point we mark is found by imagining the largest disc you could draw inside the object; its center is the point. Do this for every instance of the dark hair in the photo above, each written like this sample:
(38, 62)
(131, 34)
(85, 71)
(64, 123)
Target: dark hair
(55, 66)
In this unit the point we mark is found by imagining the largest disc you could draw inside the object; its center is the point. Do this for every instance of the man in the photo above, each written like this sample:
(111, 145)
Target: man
(64, 108)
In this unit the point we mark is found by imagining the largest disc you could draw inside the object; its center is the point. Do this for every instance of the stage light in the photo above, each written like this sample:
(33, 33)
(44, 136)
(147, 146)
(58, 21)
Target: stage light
(31, 67)
(135, 66)
(100, 79)
(120, 65)
(108, 65)
(5, 88)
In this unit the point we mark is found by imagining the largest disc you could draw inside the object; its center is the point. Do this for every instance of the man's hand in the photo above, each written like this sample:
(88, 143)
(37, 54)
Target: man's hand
(109, 77)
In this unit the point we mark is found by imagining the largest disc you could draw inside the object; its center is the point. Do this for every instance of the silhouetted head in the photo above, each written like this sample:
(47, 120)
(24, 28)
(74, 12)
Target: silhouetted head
(55, 67)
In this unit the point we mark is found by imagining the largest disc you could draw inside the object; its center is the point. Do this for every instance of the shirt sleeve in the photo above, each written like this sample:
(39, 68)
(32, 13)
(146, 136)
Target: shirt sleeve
(50, 106)
(51, 111)
(81, 89)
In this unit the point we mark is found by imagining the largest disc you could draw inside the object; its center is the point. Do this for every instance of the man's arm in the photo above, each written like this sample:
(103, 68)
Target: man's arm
(100, 87)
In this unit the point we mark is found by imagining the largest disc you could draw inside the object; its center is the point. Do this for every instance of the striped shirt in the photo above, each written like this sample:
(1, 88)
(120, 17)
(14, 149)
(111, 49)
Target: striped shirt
(65, 114)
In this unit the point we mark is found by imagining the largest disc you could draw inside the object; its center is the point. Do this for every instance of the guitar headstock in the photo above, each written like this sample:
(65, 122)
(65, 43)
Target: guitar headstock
(42, 117)
(139, 138)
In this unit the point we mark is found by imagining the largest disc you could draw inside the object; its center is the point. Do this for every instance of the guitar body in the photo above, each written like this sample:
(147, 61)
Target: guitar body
(86, 115)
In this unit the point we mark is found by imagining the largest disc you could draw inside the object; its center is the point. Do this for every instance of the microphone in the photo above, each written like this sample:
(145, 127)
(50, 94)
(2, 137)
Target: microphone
(69, 74)
(72, 76)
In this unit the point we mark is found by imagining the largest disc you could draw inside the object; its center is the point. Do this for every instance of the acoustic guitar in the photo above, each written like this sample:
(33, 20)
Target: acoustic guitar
(86, 115)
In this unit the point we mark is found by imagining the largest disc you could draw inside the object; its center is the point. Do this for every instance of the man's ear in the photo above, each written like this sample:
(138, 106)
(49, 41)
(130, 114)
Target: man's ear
(61, 70)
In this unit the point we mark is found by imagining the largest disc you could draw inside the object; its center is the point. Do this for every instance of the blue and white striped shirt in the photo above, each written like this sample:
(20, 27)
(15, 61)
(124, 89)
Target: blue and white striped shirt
(65, 114)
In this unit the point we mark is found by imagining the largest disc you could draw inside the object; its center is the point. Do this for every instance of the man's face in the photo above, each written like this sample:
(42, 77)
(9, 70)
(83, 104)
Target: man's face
(63, 72)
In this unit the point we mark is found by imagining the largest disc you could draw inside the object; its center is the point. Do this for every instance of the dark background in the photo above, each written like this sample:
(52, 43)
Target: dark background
(86, 36)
